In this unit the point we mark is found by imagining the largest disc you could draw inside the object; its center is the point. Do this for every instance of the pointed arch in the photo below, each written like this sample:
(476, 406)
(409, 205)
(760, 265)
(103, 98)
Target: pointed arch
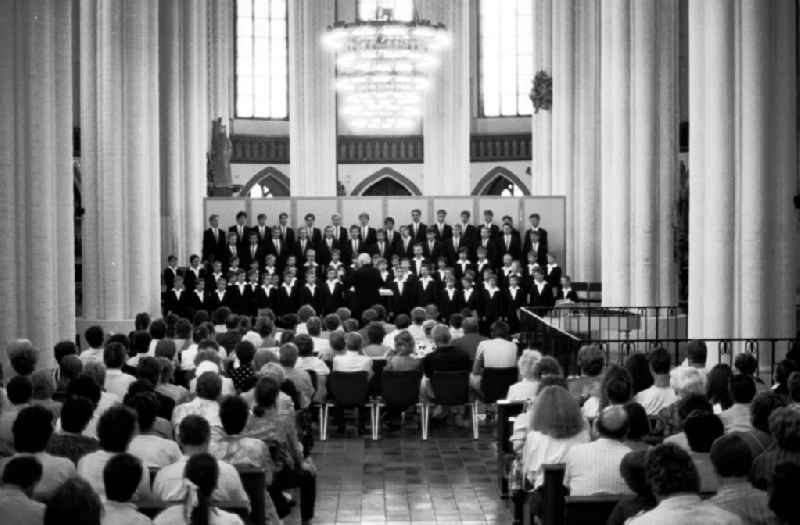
(499, 172)
(275, 178)
(386, 173)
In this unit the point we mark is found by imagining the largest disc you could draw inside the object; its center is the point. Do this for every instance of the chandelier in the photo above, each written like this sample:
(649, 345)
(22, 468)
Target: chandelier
(382, 69)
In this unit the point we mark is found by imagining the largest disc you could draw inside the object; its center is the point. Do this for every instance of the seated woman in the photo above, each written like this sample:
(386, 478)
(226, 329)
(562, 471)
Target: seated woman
(525, 389)
(201, 474)
(401, 359)
(555, 426)
(374, 347)
(291, 470)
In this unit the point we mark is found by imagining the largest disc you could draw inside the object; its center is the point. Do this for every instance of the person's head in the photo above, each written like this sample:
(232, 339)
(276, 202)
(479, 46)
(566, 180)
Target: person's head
(337, 342)
(116, 428)
(245, 351)
(696, 353)
(659, 361)
(367, 316)
(783, 492)
(691, 403)
(74, 502)
(23, 472)
(638, 423)
(441, 335)
(417, 315)
(784, 425)
(313, 326)
(783, 370)
(470, 325)
(547, 366)
(556, 413)
(69, 369)
(43, 385)
(140, 342)
(158, 329)
(702, 428)
(718, 387)
(616, 387)
(353, 341)
(793, 386)
(731, 456)
(64, 348)
(612, 422)
(149, 369)
(121, 477)
(404, 343)
(746, 363)
(670, 470)
(375, 333)
(687, 380)
(22, 356)
(743, 388)
(19, 390)
(209, 385)
(527, 363)
(32, 429)
(591, 360)
(632, 470)
(288, 355)
(266, 394)
(762, 407)
(638, 366)
(194, 434)
(114, 355)
(145, 404)
(500, 329)
(203, 471)
(233, 412)
(76, 413)
(94, 336)
(84, 386)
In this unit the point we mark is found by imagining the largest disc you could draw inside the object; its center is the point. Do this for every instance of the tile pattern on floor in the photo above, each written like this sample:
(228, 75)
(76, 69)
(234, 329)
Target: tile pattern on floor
(449, 479)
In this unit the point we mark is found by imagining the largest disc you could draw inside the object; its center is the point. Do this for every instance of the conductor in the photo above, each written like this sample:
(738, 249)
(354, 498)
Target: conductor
(365, 282)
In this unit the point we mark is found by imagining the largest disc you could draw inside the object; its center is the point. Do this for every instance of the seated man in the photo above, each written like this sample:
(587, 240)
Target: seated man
(32, 430)
(121, 476)
(737, 417)
(444, 358)
(702, 428)
(298, 376)
(675, 484)
(70, 442)
(194, 436)
(660, 394)
(593, 468)
(17, 505)
(152, 449)
(115, 431)
(497, 352)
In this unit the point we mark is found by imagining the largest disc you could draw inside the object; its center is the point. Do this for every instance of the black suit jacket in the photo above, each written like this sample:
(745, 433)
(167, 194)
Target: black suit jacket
(168, 277)
(178, 306)
(371, 236)
(287, 302)
(331, 300)
(404, 249)
(553, 276)
(542, 238)
(453, 246)
(542, 301)
(494, 230)
(492, 251)
(280, 255)
(324, 252)
(441, 234)
(445, 359)
(340, 235)
(386, 252)
(213, 248)
(348, 253)
(491, 308)
(448, 306)
(470, 232)
(315, 299)
(420, 234)
(513, 247)
(427, 295)
(366, 281)
(288, 235)
(403, 302)
(393, 237)
(315, 234)
(300, 251)
(433, 254)
(247, 256)
(265, 297)
(190, 279)
(242, 237)
(572, 295)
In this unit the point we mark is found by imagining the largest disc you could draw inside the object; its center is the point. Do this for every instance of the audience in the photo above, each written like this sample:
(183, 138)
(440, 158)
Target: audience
(673, 480)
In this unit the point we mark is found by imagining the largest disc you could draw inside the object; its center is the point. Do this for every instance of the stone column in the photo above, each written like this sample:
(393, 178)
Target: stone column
(120, 157)
(312, 100)
(220, 59)
(446, 121)
(542, 122)
(742, 169)
(36, 202)
(639, 162)
(185, 123)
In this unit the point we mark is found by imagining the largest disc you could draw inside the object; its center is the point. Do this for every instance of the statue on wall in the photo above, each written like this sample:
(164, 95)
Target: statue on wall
(219, 158)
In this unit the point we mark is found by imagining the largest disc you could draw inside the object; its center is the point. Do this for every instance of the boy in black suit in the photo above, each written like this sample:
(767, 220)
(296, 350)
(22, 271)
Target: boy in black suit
(303, 244)
(354, 245)
(170, 272)
(404, 290)
(314, 233)
(232, 249)
(332, 292)
(288, 297)
(534, 219)
(265, 295)
(328, 243)
(177, 299)
(405, 243)
(442, 230)
(198, 299)
(450, 300)
(240, 229)
(278, 248)
(541, 294)
(426, 287)
(565, 291)
(262, 230)
(382, 248)
(455, 243)
(286, 231)
(488, 243)
(219, 297)
(488, 223)
(213, 240)
(311, 293)
(515, 298)
(462, 264)
(392, 235)
(417, 229)
(253, 251)
(469, 294)
(468, 230)
(195, 273)
(418, 261)
(509, 242)
(491, 305)
(537, 247)
(432, 248)
(365, 231)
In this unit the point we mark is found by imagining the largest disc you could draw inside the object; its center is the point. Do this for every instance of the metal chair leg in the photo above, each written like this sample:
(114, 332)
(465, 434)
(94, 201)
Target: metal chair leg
(376, 426)
(325, 422)
(321, 418)
(475, 420)
(425, 420)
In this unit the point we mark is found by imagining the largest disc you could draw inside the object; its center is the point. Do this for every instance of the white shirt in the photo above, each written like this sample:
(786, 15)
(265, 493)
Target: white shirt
(497, 353)
(685, 509)
(655, 398)
(168, 484)
(593, 468)
(90, 468)
(55, 471)
(541, 449)
(117, 382)
(737, 418)
(352, 361)
(201, 407)
(174, 516)
(154, 451)
(524, 390)
(116, 513)
(91, 355)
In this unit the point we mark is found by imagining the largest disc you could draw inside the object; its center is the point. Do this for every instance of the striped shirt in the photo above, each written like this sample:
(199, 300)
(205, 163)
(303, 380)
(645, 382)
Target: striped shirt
(593, 468)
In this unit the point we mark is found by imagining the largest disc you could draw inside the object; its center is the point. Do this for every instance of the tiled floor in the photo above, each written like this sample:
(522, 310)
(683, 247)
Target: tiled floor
(449, 479)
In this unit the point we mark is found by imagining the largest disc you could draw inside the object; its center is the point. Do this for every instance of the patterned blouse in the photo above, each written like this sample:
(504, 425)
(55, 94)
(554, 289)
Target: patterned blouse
(277, 432)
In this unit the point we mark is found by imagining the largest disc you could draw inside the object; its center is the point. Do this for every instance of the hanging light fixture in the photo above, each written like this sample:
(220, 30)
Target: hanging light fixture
(383, 67)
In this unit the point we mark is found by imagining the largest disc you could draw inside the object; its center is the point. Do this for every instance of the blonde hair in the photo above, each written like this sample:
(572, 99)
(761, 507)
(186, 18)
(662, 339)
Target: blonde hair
(527, 363)
(687, 380)
(556, 413)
